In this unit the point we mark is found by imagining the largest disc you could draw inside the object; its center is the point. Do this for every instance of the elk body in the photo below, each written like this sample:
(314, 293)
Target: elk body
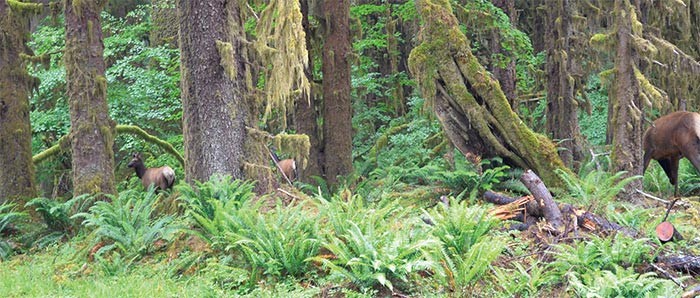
(289, 168)
(671, 138)
(162, 178)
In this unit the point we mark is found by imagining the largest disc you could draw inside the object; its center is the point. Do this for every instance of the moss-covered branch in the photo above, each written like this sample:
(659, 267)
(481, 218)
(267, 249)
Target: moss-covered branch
(25, 7)
(64, 143)
(167, 147)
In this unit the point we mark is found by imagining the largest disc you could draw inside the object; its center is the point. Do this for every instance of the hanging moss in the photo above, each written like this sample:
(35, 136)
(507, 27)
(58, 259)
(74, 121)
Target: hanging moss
(25, 8)
(281, 44)
(227, 58)
(297, 146)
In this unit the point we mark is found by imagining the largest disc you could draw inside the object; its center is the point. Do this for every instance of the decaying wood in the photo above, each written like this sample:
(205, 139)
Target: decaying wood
(685, 263)
(543, 198)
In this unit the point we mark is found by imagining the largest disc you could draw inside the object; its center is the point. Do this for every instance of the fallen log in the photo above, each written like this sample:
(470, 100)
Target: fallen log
(543, 199)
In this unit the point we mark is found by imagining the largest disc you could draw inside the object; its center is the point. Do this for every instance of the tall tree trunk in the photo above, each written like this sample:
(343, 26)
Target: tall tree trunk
(505, 74)
(92, 130)
(627, 107)
(164, 22)
(17, 170)
(471, 107)
(562, 108)
(305, 112)
(213, 88)
(337, 114)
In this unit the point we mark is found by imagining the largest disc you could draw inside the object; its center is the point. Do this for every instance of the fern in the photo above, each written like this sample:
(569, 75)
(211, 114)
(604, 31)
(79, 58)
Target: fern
(366, 246)
(620, 282)
(595, 188)
(8, 217)
(128, 223)
(57, 215)
(278, 242)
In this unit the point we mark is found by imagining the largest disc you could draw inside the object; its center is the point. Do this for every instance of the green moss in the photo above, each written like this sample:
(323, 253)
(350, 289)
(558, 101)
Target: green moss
(25, 7)
(227, 58)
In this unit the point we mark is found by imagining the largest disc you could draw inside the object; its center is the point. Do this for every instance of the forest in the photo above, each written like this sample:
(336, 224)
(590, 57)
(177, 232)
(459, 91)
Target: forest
(283, 148)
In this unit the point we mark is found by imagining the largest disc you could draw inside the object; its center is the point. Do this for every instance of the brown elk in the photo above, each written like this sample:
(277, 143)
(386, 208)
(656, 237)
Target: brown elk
(671, 138)
(289, 168)
(161, 178)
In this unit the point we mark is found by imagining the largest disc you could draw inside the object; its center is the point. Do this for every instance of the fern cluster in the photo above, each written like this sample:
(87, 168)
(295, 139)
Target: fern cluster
(129, 224)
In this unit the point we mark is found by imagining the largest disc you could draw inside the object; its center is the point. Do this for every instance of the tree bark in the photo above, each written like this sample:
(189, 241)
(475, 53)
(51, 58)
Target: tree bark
(213, 88)
(164, 22)
(17, 171)
(337, 113)
(470, 105)
(306, 112)
(627, 107)
(562, 108)
(505, 74)
(92, 130)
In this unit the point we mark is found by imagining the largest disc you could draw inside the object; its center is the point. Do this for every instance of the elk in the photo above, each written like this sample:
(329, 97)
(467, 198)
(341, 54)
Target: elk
(161, 178)
(287, 167)
(671, 138)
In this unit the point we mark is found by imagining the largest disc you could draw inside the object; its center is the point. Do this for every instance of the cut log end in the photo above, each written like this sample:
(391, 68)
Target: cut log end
(666, 232)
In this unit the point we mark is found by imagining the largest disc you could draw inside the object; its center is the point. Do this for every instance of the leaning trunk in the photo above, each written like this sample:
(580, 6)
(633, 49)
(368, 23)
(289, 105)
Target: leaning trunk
(92, 130)
(213, 88)
(470, 105)
(17, 174)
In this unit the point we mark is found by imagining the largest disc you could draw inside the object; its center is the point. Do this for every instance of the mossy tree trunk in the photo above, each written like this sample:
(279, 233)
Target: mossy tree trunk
(504, 71)
(562, 107)
(337, 114)
(92, 130)
(164, 22)
(627, 106)
(306, 111)
(470, 105)
(213, 88)
(16, 169)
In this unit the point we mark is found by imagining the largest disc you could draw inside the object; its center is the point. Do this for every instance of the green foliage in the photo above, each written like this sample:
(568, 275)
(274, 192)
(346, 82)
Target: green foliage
(466, 251)
(459, 226)
(594, 124)
(525, 281)
(128, 224)
(57, 215)
(594, 187)
(215, 205)
(467, 180)
(621, 282)
(8, 217)
(598, 253)
(279, 242)
(368, 248)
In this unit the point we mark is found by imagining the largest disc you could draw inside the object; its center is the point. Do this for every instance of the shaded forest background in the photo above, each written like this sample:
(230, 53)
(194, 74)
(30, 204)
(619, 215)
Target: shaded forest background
(428, 102)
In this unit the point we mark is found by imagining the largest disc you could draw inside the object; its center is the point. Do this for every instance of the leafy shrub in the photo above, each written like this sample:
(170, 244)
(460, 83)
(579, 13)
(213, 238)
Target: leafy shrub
(128, 224)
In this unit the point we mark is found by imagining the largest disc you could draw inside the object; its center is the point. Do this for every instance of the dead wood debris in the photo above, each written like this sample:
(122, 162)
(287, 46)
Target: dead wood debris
(559, 220)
